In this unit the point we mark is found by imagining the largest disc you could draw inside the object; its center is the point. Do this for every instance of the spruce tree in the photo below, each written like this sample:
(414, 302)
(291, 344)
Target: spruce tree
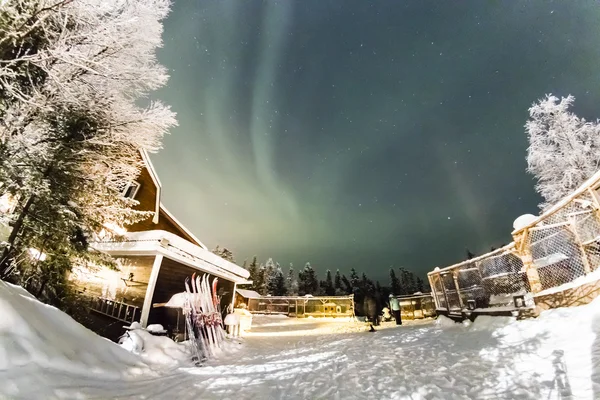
(292, 282)
(338, 281)
(346, 285)
(307, 281)
(224, 253)
(269, 274)
(253, 269)
(354, 282)
(412, 283)
(420, 285)
(470, 255)
(394, 282)
(329, 288)
(277, 286)
(262, 281)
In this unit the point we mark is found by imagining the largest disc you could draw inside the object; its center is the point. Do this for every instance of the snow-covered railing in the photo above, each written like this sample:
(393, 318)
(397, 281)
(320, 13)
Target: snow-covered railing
(554, 252)
(158, 240)
(115, 309)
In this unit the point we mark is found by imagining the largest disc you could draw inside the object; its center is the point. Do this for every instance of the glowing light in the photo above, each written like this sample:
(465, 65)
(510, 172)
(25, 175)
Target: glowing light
(7, 203)
(36, 254)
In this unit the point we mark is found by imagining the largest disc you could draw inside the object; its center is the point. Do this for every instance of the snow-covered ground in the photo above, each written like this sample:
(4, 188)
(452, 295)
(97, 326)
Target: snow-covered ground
(44, 354)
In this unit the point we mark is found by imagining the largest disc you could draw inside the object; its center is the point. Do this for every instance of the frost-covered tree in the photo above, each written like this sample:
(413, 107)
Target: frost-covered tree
(308, 283)
(337, 284)
(347, 285)
(224, 253)
(253, 270)
(394, 283)
(269, 273)
(262, 281)
(420, 285)
(74, 115)
(272, 273)
(292, 282)
(277, 286)
(354, 282)
(564, 149)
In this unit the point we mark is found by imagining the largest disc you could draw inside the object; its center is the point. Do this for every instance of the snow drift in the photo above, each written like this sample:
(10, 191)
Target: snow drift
(40, 343)
(35, 333)
(45, 354)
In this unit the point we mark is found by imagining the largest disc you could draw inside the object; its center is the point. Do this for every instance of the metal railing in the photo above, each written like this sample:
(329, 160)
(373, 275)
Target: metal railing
(297, 306)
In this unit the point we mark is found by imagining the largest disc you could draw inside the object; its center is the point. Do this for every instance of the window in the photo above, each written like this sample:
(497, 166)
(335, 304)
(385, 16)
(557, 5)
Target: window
(131, 190)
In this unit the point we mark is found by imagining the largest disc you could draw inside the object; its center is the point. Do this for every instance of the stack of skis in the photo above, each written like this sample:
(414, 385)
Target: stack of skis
(203, 317)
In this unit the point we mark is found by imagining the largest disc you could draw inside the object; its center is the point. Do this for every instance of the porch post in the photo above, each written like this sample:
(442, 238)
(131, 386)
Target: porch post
(233, 297)
(150, 290)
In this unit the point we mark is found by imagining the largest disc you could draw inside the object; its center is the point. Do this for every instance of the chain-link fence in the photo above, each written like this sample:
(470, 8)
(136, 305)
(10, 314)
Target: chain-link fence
(492, 280)
(557, 251)
(563, 245)
(417, 306)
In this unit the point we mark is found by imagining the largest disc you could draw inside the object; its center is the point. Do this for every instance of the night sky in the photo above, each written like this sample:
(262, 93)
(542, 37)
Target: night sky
(361, 133)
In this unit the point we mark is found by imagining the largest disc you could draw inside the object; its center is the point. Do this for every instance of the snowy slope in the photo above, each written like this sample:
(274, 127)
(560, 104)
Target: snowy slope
(493, 358)
(42, 348)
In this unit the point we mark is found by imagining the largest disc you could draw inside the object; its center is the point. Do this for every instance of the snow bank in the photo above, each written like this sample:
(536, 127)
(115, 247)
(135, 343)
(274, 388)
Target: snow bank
(44, 353)
(554, 356)
(490, 323)
(38, 334)
(158, 350)
(445, 322)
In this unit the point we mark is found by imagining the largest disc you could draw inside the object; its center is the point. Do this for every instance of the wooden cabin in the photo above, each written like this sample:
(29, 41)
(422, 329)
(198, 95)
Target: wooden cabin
(154, 260)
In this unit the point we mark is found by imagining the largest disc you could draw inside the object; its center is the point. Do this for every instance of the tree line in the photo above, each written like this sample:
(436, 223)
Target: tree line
(271, 279)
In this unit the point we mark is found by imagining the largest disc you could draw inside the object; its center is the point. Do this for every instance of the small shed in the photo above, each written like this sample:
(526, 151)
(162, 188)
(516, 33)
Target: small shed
(243, 296)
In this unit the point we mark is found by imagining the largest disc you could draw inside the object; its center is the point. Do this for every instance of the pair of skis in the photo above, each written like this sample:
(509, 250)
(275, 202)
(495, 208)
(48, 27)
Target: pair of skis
(198, 344)
(203, 315)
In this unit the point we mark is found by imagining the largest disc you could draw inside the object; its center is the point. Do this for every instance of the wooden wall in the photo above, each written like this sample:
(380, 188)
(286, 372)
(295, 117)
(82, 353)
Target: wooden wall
(171, 280)
(146, 195)
(117, 285)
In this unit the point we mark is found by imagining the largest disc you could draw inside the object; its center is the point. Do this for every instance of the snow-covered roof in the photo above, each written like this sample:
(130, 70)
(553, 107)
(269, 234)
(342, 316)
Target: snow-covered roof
(181, 226)
(176, 248)
(248, 294)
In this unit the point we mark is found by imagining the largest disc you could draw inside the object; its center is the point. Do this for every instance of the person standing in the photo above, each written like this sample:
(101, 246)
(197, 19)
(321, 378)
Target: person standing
(395, 306)
(370, 308)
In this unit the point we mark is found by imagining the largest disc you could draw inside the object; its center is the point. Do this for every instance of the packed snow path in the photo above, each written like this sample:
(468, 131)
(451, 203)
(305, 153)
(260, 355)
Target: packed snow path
(46, 355)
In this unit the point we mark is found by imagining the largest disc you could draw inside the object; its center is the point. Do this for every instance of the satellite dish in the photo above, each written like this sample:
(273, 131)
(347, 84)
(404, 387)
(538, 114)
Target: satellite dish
(523, 221)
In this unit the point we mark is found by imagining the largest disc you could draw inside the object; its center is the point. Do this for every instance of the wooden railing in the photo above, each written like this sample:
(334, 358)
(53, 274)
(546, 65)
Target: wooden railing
(115, 309)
